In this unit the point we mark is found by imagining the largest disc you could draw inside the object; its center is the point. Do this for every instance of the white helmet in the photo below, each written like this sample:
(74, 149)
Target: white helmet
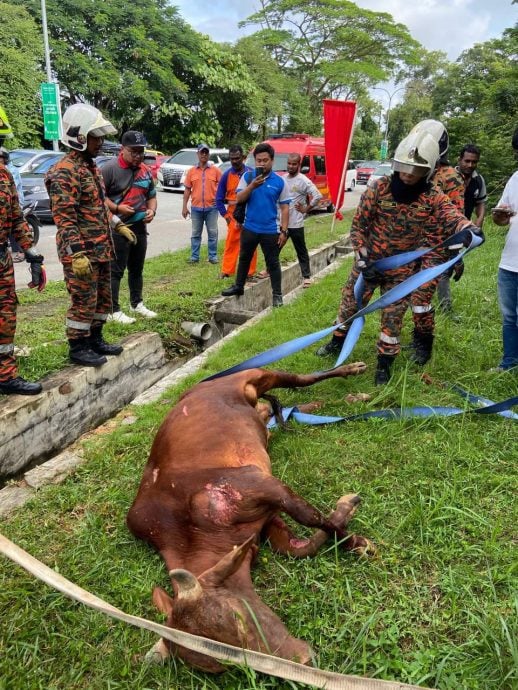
(438, 132)
(79, 121)
(417, 154)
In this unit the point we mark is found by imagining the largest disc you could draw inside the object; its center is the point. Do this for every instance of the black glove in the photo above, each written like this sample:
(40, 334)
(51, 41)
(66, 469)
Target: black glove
(371, 274)
(32, 257)
(457, 271)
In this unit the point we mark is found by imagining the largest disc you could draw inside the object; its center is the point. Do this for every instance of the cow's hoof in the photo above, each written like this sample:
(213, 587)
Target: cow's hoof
(356, 368)
(364, 547)
(158, 654)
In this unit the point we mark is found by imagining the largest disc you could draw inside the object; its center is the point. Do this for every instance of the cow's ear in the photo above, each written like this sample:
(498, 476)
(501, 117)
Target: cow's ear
(162, 600)
(228, 565)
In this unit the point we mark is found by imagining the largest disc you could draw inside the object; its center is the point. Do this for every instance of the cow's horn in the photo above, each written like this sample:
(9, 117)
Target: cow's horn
(189, 589)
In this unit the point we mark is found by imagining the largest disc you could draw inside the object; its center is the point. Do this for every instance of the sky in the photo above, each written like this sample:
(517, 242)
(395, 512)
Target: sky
(448, 25)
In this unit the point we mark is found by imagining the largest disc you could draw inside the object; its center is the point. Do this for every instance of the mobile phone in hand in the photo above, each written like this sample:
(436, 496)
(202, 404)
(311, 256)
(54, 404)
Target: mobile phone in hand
(259, 171)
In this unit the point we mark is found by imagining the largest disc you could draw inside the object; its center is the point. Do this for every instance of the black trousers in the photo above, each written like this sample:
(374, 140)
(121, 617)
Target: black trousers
(299, 242)
(270, 249)
(132, 257)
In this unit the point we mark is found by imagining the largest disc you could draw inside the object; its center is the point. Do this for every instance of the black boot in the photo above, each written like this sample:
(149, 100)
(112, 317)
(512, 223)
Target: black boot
(382, 375)
(81, 353)
(333, 347)
(19, 386)
(233, 290)
(423, 344)
(99, 345)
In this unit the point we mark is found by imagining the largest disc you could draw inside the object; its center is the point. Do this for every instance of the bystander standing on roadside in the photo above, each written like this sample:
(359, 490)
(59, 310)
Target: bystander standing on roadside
(262, 194)
(304, 197)
(201, 184)
(506, 213)
(77, 198)
(131, 196)
(474, 197)
(13, 223)
(226, 194)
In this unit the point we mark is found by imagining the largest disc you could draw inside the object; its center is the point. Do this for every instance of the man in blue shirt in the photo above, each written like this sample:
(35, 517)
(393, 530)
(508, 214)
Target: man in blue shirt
(262, 190)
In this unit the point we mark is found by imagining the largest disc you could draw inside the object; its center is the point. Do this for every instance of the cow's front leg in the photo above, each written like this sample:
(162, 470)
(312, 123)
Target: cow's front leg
(284, 541)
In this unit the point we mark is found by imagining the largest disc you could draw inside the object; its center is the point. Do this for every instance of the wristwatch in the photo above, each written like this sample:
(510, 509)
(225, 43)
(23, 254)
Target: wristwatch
(284, 232)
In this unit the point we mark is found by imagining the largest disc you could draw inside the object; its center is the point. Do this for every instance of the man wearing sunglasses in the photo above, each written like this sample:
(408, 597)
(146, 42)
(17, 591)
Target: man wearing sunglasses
(131, 195)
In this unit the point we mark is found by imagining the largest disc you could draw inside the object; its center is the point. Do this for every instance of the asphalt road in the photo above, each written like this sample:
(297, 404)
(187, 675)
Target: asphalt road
(168, 232)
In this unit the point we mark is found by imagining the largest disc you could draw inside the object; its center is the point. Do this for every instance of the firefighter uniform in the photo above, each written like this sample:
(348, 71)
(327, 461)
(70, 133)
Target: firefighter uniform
(11, 221)
(76, 191)
(383, 227)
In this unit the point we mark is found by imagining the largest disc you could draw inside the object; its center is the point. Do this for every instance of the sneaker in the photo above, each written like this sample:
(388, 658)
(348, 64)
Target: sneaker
(193, 261)
(213, 261)
(143, 311)
(120, 317)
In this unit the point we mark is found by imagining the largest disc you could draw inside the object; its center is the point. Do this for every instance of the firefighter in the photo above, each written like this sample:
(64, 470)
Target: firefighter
(448, 180)
(12, 221)
(77, 196)
(394, 217)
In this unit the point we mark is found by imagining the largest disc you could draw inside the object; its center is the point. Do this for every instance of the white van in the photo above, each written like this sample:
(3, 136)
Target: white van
(172, 171)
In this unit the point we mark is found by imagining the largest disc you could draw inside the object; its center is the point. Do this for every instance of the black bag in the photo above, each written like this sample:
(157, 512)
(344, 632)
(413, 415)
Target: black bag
(240, 213)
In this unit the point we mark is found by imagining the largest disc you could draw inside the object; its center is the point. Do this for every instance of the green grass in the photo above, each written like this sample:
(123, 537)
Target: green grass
(437, 607)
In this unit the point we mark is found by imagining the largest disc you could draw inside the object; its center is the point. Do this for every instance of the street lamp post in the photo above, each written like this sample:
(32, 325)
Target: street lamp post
(384, 143)
(55, 145)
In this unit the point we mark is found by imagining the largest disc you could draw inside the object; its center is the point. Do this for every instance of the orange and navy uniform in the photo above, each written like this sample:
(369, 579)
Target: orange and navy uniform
(203, 183)
(226, 194)
(11, 221)
(448, 181)
(383, 227)
(77, 197)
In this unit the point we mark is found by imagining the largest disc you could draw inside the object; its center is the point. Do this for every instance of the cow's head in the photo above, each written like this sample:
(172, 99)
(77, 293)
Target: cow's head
(210, 607)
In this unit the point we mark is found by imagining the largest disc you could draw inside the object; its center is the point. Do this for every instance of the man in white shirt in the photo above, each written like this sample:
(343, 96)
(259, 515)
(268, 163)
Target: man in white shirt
(506, 213)
(304, 197)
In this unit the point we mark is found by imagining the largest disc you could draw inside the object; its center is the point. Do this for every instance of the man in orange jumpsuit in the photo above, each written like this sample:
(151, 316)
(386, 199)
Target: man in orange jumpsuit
(226, 194)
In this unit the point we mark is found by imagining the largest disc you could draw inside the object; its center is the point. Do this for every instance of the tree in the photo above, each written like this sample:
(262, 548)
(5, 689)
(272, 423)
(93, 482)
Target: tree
(146, 68)
(21, 51)
(332, 48)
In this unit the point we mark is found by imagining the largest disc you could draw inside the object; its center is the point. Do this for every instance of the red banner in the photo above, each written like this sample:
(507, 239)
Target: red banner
(338, 133)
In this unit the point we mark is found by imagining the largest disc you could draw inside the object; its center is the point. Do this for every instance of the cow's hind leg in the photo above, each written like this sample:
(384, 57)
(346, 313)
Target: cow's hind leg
(284, 541)
(264, 380)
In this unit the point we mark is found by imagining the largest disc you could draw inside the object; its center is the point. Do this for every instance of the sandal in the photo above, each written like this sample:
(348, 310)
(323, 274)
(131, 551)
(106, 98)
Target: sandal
(263, 274)
(307, 282)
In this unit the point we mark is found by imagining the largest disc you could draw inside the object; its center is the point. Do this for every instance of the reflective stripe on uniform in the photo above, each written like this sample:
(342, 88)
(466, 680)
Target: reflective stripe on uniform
(422, 309)
(390, 340)
(6, 349)
(455, 246)
(78, 325)
(100, 317)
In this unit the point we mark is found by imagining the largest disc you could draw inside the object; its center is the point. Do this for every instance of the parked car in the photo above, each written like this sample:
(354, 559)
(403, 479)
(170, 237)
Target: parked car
(356, 162)
(172, 171)
(350, 177)
(27, 160)
(381, 171)
(365, 170)
(34, 190)
(154, 160)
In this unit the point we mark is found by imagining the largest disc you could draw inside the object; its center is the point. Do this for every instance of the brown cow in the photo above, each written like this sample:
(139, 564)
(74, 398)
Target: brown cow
(206, 497)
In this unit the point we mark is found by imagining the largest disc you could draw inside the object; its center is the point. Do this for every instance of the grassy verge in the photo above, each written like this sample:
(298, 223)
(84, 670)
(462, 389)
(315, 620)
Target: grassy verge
(437, 607)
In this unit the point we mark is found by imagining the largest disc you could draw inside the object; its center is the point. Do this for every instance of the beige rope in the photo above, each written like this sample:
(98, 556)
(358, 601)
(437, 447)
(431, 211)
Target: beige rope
(264, 663)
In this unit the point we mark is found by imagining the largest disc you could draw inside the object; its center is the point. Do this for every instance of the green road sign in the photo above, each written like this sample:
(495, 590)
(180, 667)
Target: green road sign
(51, 110)
(383, 149)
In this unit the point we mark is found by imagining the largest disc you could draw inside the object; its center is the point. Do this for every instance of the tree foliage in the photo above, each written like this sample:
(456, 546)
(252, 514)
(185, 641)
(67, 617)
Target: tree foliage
(332, 48)
(21, 51)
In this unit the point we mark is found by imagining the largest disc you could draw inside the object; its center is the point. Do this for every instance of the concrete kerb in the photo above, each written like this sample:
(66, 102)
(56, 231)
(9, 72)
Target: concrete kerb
(62, 465)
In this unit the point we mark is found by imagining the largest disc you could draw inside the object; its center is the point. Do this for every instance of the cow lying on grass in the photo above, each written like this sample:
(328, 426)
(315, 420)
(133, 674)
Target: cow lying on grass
(207, 497)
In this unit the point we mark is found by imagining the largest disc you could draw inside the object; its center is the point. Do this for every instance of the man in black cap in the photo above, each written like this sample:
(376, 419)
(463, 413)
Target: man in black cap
(131, 195)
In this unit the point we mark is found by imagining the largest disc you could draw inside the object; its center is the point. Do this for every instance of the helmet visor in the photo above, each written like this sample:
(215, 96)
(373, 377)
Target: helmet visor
(419, 170)
(103, 131)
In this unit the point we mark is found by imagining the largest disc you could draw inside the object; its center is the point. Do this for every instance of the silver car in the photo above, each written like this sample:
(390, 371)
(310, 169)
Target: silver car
(27, 160)
(172, 171)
